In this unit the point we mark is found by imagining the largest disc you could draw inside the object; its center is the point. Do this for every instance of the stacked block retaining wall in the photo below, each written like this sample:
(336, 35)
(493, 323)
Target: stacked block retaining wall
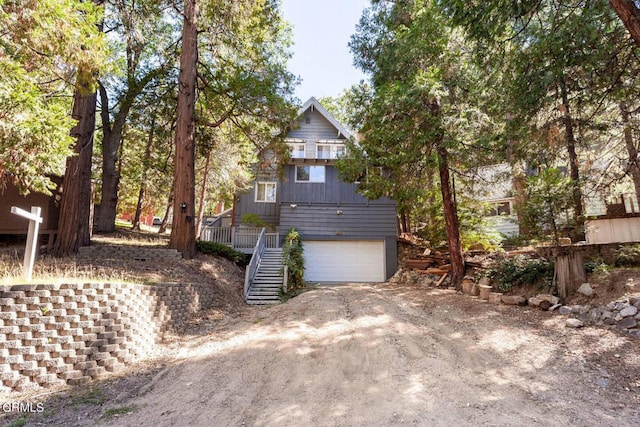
(72, 333)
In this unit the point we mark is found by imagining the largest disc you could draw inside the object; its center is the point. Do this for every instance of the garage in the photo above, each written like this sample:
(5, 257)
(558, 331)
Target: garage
(344, 261)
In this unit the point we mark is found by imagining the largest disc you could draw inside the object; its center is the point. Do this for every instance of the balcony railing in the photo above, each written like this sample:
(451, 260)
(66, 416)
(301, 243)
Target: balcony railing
(242, 239)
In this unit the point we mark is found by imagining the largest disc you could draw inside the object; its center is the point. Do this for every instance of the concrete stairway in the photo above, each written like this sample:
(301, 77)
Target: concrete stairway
(266, 285)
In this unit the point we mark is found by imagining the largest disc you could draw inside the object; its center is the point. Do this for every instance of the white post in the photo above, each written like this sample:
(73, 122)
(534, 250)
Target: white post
(32, 238)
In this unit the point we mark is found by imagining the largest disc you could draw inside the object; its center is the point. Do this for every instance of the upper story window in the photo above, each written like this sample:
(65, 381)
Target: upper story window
(310, 173)
(329, 151)
(266, 192)
(297, 150)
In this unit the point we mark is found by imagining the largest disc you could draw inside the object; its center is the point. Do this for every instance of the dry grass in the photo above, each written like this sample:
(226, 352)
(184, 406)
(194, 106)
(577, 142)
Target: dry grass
(52, 270)
(56, 270)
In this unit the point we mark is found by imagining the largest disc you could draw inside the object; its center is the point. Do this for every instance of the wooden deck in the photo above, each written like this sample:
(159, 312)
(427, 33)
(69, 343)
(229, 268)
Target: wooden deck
(242, 239)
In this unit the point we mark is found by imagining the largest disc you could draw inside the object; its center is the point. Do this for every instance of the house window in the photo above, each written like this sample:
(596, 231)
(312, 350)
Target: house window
(329, 151)
(297, 150)
(309, 173)
(499, 209)
(266, 192)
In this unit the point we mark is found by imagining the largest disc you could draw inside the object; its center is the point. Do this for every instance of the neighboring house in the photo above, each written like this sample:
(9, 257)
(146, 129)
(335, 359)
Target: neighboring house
(494, 187)
(13, 224)
(346, 237)
(609, 220)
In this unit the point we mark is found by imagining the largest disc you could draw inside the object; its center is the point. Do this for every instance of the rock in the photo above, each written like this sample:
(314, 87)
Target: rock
(534, 301)
(577, 309)
(606, 314)
(594, 314)
(574, 323)
(618, 317)
(485, 290)
(467, 286)
(609, 321)
(475, 290)
(637, 316)
(565, 310)
(634, 301)
(544, 305)
(514, 300)
(621, 305)
(555, 307)
(485, 281)
(547, 297)
(585, 289)
(627, 323)
(629, 311)
(495, 297)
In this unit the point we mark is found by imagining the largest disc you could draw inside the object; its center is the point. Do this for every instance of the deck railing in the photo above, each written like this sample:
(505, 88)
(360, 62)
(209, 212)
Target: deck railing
(252, 268)
(217, 234)
(240, 238)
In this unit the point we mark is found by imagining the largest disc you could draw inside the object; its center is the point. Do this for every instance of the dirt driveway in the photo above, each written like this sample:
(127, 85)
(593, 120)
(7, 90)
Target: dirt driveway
(388, 354)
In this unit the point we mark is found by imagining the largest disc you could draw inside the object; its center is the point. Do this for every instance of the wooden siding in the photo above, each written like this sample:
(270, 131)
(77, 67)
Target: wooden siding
(613, 230)
(506, 225)
(246, 204)
(332, 191)
(317, 128)
(320, 222)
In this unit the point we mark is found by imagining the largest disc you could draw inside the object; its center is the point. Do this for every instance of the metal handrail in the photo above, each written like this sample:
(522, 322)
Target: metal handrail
(256, 257)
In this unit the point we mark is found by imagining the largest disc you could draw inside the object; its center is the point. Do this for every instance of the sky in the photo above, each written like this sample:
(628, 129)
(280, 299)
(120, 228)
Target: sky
(321, 57)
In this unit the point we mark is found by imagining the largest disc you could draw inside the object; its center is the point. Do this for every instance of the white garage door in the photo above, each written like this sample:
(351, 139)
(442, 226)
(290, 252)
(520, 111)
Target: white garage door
(344, 261)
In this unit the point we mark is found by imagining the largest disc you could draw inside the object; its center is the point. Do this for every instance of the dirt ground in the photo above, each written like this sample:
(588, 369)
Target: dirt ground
(357, 355)
(362, 354)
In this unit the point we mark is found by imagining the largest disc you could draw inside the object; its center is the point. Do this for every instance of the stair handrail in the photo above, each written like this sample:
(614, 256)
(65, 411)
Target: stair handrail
(256, 257)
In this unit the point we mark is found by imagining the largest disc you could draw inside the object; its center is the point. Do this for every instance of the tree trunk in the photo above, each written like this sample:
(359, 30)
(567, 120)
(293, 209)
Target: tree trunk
(632, 150)
(143, 180)
(570, 143)
(74, 227)
(450, 218)
(203, 194)
(167, 213)
(111, 143)
(183, 237)
(629, 14)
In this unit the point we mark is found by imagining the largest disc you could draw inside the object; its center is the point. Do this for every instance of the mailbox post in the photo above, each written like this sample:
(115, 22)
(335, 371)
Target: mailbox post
(32, 237)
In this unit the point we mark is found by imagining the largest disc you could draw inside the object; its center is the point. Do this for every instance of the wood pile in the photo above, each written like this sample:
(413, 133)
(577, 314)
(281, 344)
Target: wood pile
(436, 264)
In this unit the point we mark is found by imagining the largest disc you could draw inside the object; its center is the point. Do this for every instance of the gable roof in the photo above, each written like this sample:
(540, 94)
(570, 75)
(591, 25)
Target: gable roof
(313, 103)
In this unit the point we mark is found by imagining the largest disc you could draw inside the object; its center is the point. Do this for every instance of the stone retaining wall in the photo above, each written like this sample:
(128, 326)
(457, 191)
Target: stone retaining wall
(73, 333)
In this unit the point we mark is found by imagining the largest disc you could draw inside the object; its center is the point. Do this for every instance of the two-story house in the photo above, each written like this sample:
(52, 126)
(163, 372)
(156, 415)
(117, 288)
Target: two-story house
(346, 237)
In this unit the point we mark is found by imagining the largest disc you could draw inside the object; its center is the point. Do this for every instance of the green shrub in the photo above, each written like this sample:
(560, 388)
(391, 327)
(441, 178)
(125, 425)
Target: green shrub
(521, 270)
(254, 220)
(218, 249)
(293, 255)
(598, 269)
(627, 256)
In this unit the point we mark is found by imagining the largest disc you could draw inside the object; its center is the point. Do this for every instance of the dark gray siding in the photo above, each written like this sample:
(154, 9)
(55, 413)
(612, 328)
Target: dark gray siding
(246, 204)
(332, 191)
(391, 255)
(317, 128)
(355, 222)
